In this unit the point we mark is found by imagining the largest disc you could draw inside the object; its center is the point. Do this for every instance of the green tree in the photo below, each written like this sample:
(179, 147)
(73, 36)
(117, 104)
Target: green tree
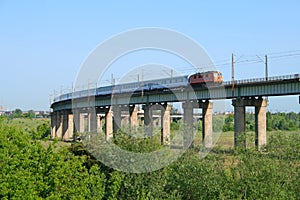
(174, 110)
(30, 114)
(43, 130)
(228, 125)
(17, 113)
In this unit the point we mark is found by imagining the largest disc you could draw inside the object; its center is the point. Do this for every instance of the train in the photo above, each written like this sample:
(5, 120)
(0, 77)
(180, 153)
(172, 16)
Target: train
(195, 80)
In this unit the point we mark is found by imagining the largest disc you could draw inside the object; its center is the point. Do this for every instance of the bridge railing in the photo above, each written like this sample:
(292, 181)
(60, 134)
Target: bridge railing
(261, 80)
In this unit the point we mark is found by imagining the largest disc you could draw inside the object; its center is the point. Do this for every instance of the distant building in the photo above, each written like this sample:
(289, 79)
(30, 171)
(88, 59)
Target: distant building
(42, 114)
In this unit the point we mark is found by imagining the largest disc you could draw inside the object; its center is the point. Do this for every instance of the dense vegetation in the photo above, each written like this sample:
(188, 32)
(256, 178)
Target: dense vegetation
(32, 168)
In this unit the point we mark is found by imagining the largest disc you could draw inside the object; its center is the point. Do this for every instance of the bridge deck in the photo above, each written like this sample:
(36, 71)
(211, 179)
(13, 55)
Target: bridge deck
(274, 86)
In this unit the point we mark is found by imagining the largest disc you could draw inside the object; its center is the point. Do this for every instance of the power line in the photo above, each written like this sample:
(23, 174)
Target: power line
(287, 55)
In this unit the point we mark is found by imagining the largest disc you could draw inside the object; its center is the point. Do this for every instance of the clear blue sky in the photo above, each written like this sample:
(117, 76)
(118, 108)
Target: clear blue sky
(43, 43)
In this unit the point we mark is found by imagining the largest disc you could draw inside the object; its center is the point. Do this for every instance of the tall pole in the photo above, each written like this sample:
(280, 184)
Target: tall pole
(112, 84)
(54, 94)
(50, 102)
(89, 92)
(60, 92)
(232, 74)
(266, 67)
(112, 79)
(142, 83)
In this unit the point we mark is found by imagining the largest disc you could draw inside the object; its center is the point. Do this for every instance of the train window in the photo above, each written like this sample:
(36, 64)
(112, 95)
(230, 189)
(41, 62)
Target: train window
(195, 77)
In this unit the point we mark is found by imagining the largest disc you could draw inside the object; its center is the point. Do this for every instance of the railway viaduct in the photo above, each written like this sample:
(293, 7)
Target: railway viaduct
(68, 115)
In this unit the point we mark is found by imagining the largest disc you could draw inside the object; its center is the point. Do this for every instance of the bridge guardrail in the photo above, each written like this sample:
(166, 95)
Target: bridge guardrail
(260, 80)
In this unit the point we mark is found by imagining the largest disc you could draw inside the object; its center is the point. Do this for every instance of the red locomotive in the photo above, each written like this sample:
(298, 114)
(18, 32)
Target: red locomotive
(206, 77)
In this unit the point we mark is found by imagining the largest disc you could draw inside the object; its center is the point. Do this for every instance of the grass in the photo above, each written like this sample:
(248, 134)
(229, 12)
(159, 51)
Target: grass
(26, 124)
(31, 125)
(226, 139)
(59, 144)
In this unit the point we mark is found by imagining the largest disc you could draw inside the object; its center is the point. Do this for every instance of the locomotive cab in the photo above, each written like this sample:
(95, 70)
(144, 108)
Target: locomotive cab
(210, 77)
(218, 77)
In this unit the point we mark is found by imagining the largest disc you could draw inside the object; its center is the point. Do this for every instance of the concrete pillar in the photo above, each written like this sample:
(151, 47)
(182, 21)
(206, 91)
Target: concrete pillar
(109, 124)
(81, 123)
(239, 122)
(76, 118)
(148, 120)
(53, 124)
(70, 126)
(188, 136)
(116, 118)
(165, 125)
(99, 124)
(125, 121)
(207, 125)
(65, 125)
(133, 116)
(92, 118)
(260, 124)
(59, 125)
